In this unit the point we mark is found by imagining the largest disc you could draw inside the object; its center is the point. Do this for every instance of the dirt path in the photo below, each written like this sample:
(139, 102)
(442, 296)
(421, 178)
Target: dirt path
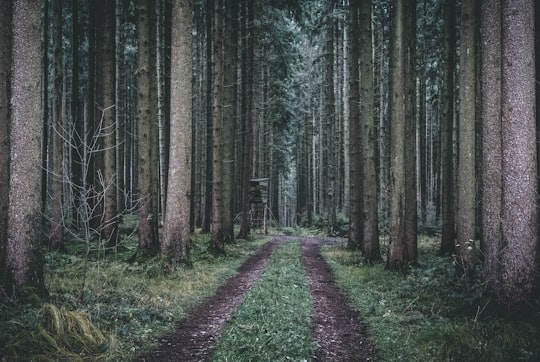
(335, 325)
(196, 336)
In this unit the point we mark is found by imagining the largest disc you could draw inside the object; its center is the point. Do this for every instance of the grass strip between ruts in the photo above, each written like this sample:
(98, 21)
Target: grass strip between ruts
(273, 322)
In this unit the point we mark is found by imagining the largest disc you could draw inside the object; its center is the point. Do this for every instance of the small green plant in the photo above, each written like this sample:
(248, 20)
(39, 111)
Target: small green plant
(273, 322)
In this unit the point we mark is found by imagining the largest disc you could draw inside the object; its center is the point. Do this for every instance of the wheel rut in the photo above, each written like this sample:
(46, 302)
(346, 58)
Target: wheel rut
(336, 327)
(195, 337)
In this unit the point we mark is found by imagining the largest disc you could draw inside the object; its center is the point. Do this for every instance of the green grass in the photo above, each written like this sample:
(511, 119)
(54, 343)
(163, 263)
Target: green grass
(273, 322)
(426, 316)
(123, 308)
(421, 316)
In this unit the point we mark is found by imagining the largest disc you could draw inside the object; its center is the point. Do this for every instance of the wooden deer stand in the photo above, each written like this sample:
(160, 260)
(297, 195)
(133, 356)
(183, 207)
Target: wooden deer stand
(258, 192)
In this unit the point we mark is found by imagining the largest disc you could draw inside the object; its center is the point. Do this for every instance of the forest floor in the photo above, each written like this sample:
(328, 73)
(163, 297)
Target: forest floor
(336, 327)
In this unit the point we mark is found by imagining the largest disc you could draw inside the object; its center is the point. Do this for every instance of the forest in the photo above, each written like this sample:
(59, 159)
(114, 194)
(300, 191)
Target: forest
(162, 144)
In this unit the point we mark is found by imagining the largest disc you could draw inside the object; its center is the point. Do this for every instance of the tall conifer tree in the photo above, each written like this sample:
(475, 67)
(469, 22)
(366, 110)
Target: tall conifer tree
(24, 263)
(402, 243)
(176, 232)
(146, 119)
(466, 177)
(370, 222)
(5, 77)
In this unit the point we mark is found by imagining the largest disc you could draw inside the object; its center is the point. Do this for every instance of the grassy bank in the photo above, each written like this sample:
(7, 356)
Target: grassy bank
(273, 322)
(425, 316)
(121, 310)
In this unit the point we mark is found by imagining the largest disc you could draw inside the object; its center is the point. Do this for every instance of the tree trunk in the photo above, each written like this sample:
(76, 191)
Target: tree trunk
(491, 182)
(402, 238)
(154, 125)
(207, 213)
(248, 83)
(76, 118)
(219, 234)
(200, 91)
(466, 178)
(345, 134)
(410, 216)
(176, 232)
(148, 218)
(328, 160)
(96, 132)
(509, 164)
(355, 145)
(45, 105)
(229, 113)
(161, 101)
(383, 139)
(108, 75)
(5, 76)
(447, 130)
(56, 237)
(89, 129)
(422, 122)
(370, 221)
(519, 215)
(121, 111)
(24, 260)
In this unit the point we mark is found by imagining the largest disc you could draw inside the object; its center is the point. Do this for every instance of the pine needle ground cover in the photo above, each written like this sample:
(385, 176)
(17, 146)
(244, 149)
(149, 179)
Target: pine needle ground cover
(122, 308)
(273, 322)
(426, 316)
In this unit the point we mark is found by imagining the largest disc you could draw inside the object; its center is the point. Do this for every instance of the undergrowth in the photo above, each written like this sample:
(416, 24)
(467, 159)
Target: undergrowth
(122, 308)
(273, 322)
(426, 316)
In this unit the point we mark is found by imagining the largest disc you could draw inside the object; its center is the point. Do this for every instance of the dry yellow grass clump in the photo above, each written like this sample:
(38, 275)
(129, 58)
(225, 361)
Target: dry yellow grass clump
(62, 334)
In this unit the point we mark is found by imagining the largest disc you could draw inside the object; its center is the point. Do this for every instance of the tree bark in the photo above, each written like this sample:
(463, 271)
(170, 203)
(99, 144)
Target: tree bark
(56, 237)
(120, 114)
(88, 137)
(402, 238)
(77, 138)
(229, 113)
(248, 83)
(24, 262)
(491, 182)
(5, 76)
(370, 220)
(176, 232)
(509, 163)
(447, 129)
(110, 207)
(208, 190)
(329, 118)
(148, 218)
(410, 216)
(219, 234)
(355, 145)
(466, 178)
(519, 213)
(163, 134)
(45, 105)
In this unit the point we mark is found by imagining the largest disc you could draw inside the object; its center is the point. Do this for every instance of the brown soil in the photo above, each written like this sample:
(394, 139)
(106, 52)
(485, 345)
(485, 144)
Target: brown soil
(336, 327)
